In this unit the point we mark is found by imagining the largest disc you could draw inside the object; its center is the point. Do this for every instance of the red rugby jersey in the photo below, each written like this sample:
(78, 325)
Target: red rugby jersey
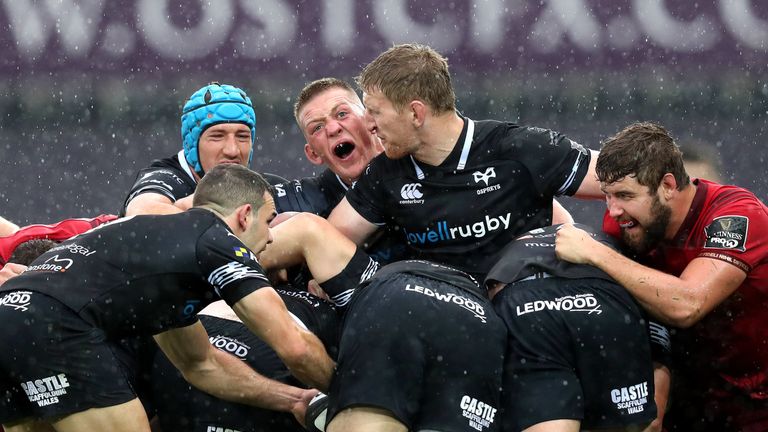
(58, 232)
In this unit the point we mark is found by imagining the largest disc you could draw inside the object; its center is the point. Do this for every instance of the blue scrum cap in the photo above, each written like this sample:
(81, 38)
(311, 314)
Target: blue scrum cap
(214, 104)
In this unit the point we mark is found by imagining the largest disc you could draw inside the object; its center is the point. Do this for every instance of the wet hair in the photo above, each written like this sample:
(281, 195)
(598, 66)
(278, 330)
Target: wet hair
(407, 72)
(315, 88)
(29, 250)
(642, 150)
(228, 186)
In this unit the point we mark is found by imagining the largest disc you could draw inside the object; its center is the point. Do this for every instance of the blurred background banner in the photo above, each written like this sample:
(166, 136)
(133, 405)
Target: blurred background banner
(91, 89)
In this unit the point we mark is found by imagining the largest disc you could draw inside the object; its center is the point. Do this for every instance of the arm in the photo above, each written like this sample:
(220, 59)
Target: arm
(7, 227)
(11, 270)
(559, 214)
(308, 238)
(677, 301)
(590, 186)
(265, 314)
(225, 376)
(155, 203)
(347, 220)
(661, 382)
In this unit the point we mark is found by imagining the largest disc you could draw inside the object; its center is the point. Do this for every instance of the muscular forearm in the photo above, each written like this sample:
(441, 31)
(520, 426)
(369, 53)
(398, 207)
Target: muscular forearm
(666, 297)
(227, 377)
(314, 368)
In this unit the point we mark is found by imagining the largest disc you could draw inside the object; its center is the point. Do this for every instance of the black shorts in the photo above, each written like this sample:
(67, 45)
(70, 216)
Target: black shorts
(424, 350)
(53, 363)
(579, 349)
(181, 407)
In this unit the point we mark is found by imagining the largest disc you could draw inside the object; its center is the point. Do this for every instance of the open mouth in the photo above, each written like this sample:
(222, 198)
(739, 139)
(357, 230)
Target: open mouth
(343, 149)
(627, 224)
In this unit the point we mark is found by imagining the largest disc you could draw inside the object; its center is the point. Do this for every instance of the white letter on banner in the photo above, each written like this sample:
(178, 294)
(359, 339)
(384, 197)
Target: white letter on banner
(571, 17)
(487, 30)
(741, 21)
(396, 25)
(274, 33)
(656, 22)
(338, 26)
(176, 43)
(32, 23)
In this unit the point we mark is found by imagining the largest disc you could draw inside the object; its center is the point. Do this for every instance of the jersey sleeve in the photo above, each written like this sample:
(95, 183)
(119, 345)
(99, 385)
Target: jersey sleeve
(556, 163)
(735, 233)
(661, 343)
(57, 232)
(228, 265)
(163, 181)
(368, 194)
(300, 196)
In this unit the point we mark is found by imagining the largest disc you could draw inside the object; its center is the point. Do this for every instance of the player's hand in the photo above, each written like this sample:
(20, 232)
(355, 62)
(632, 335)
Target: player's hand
(573, 244)
(299, 409)
(11, 270)
(314, 288)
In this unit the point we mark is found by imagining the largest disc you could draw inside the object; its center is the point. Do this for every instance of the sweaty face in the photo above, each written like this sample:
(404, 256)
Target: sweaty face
(334, 126)
(642, 216)
(394, 129)
(224, 143)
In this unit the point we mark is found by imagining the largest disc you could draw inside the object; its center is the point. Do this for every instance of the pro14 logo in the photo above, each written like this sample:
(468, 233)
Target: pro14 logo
(411, 194)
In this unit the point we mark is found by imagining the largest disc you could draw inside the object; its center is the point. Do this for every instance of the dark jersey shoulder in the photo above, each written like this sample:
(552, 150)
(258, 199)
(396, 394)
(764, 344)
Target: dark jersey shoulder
(533, 255)
(498, 182)
(145, 274)
(318, 194)
(169, 177)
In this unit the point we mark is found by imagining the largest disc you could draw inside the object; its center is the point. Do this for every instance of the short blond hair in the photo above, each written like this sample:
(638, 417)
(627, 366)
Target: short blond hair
(407, 72)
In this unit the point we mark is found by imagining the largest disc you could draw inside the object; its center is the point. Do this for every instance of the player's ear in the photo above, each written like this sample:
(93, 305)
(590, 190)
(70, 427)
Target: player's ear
(668, 185)
(312, 155)
(418, 111)
(244, 216)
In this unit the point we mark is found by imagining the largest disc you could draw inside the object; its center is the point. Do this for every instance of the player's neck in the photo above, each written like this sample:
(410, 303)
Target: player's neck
(439, 136)
(681, 206)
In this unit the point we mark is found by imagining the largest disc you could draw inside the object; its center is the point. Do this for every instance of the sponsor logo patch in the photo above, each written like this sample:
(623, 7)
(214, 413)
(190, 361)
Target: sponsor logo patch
(479, 414)
(632, 399)
(463, 302)
(242, 252)
(46, 391)
(578, 303)
(230, 345)
(411, 194)
(18, 300)
(52, 264)
(727, 232)
(445, 232)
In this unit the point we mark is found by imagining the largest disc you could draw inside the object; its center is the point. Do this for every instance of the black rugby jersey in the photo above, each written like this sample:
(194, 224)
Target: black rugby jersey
(318, 195)
(170, 177)
(145, 274)
(498, 182)
(532, 257)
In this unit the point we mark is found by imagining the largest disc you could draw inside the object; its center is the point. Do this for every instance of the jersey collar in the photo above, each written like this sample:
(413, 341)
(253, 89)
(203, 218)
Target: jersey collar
(460, 150)
(185, 165)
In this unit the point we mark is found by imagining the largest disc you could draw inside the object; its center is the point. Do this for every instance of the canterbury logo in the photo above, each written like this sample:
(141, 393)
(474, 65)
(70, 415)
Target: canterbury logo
(484, 177)
(411, 191)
